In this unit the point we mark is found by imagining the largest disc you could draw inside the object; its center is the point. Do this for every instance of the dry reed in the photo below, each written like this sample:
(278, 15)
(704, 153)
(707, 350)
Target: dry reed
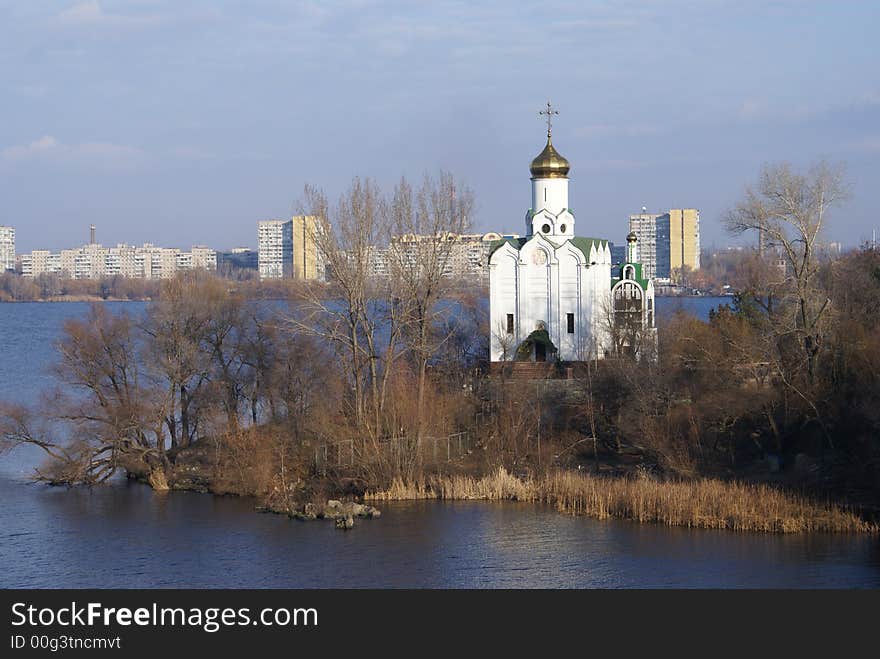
(707, 503)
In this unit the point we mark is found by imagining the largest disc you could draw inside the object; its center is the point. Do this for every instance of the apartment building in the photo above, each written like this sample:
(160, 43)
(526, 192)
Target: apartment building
(644, 225)
(667, 241)
(684, 238)
(93, 261)
(288, 248)
(275, 248)
(464, 255)
(7, 248)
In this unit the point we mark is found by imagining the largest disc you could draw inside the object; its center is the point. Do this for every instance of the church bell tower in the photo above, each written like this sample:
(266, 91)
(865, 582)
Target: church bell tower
(549, 214)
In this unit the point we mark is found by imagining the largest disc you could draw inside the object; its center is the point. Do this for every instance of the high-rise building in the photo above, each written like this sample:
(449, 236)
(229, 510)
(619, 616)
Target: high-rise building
(465, 255)
(684, 238)
(644, 225)
(163, 262)
(469, 254)
(89, 261)
(7, 248)
(662, 260)
(275, 248)
(288, 248)
(94, 261)
(306, 257)
(378, 265)
(204, 258)
(667, 241)
(124, 261)
(618, 253)
(38, 262)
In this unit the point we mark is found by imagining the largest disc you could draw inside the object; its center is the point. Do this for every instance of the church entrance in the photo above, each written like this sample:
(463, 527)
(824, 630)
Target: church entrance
(540, 352)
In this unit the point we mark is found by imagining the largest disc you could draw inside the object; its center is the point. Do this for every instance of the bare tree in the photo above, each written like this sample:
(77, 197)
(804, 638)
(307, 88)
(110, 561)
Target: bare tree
(114, 415)
(176, 324)
(514, 425)
(466, 346)
(505, 340)
(589, 409)
(788, 211)
(225, 340)
(428, 223)
(347, 315)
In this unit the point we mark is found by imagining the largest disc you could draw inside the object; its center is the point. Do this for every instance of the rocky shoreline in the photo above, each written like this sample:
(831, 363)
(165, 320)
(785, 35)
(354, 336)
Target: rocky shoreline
(303, 499)
(341, 513)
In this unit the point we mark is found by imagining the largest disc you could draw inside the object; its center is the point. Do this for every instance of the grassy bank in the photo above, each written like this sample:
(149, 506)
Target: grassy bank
(709, 504)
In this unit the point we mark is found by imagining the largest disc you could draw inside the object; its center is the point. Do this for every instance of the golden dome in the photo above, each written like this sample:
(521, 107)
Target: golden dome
(549, 163)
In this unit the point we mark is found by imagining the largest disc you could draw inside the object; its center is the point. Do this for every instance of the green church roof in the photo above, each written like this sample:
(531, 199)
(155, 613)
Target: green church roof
(583, 244)
(639, 275)
(517, 244)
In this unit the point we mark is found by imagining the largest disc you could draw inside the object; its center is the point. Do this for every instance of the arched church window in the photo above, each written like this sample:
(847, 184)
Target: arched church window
(628, 298)
(546, 228)
(629, 272)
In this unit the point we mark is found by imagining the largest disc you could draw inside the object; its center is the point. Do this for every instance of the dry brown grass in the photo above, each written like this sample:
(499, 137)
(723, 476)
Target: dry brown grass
(708, 504)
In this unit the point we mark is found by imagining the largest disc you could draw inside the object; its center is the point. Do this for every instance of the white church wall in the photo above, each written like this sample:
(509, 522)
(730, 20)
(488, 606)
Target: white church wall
(550, 194)
(536, 292)
(544, 223)
(503, 298)
(570, 271)
(559, 227)
(600, 305)
(542, 283)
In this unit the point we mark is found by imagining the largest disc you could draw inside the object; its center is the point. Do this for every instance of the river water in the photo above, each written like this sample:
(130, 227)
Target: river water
(124, 535)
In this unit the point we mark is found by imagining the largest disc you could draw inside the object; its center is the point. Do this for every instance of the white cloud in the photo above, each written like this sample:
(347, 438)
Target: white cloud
(86, 12)
(48, 149)
(92, 16)
(757, 110)
(36, 148)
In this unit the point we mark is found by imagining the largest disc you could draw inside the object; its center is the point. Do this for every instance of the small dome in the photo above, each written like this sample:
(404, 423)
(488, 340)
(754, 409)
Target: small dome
(549, 163)
(632, 237)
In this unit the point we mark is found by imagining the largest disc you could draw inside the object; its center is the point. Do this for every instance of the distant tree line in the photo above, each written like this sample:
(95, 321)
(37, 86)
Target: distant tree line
(53, 287)
(50, 286)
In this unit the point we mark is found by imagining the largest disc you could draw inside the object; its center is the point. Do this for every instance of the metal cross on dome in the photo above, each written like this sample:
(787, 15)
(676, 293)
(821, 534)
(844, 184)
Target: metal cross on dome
(549, 112)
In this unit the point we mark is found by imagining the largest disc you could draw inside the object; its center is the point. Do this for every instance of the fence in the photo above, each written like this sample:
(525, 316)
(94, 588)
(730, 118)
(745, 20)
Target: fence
(426, 450)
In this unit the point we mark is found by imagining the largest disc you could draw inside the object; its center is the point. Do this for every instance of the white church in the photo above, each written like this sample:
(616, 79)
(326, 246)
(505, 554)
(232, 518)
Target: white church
(557, 296)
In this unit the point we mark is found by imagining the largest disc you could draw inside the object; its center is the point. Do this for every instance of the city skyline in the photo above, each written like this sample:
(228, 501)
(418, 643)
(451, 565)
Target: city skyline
(190, 122)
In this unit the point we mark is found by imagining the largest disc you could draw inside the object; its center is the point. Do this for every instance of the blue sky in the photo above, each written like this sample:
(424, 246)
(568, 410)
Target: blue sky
(185, 122)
